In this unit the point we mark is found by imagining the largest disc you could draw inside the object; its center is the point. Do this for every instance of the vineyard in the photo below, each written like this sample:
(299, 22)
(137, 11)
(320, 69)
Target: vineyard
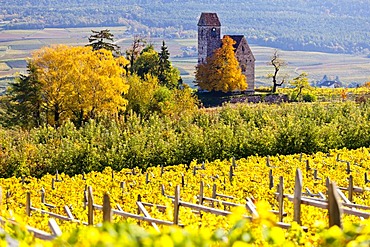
(273, 193)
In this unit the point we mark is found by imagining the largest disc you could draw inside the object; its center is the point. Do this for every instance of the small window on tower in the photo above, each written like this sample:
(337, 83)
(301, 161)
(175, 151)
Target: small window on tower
(213, 32)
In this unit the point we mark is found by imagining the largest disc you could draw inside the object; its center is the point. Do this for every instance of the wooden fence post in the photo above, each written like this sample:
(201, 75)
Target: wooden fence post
(201, 193)
(231, 174)
(308, 168)
(182, 180)
(147, 178)
(176, 205)
(334, 206)
(281, 198)
(297, 196)
(268, 161)
(271, 180)
(122, 186)
(42, 195)
(366, 180)
(107, 209)
(28, 203)
(90, 206)
(350, 188)
(348, 169)
(53, 184)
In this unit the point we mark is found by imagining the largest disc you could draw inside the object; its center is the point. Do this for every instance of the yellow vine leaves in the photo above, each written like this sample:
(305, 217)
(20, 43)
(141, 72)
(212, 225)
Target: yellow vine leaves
(79, 82)
(222, 71)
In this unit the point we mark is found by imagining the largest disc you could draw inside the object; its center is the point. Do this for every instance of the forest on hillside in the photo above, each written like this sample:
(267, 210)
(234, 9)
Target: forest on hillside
(331, 26)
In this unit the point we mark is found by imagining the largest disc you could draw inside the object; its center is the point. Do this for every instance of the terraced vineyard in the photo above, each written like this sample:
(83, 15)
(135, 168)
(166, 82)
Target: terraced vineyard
(226, 184)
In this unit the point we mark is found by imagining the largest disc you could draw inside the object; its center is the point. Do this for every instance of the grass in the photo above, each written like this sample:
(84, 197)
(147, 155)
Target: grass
(349, 68)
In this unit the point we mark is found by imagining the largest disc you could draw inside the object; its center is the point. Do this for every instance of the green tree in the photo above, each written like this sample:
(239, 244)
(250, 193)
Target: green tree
(25, 101)
(300, 82)
(167, 75)
(146, 63)
(221, 72)
(103, 40)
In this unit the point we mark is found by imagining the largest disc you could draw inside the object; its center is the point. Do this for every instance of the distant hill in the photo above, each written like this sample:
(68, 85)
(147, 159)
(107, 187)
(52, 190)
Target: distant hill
(331, 25)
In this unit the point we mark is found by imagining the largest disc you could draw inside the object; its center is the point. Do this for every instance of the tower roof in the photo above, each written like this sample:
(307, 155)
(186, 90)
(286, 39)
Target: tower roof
(237, 39)
(209, 19)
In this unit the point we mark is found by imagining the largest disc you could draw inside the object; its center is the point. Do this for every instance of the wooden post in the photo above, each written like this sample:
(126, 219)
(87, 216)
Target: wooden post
(350, 188)
(182, 180)
(162, 171)
(233, 162)
(90, 206)
(348, 170)
(57, 176)
(308, 168)
(334, 206)
(122, 186)
(138, 200)
(28, 203)
(297, 196)
(268, 161)
(53, 184)
(366, 180)
(315, 175)
(42, 195)
(271, 180)
(147, 178)
(107, 209)
(176, 206)
(300, 157)
(194, 170)
(231, 174)
(281, 198)
(214, 193)
(201, 192)
(162, 190)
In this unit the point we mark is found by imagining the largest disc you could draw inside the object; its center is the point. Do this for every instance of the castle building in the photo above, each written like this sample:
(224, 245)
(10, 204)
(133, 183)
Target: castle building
(209, 39)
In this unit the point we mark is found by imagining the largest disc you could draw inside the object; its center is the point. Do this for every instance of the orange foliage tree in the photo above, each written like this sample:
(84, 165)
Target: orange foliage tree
(221, 72)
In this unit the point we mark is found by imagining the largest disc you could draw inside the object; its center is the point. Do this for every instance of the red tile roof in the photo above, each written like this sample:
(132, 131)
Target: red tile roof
(209, 19)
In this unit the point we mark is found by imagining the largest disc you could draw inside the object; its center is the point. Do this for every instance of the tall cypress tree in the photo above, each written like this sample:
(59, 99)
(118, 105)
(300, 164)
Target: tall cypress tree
(167, 75)
(25, 99)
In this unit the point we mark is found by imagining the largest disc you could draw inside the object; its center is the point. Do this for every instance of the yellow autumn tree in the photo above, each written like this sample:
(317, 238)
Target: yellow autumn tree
(78, 83)
(221, 72)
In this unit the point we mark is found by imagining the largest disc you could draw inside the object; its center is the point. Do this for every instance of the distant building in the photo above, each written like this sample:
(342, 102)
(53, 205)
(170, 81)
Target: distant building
(327, 83)
(209, 39)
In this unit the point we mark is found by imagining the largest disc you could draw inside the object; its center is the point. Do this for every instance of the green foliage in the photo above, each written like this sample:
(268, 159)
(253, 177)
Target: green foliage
(24, 101)
(177, 133)
(103, 40)
(309, 97)
(155, 64)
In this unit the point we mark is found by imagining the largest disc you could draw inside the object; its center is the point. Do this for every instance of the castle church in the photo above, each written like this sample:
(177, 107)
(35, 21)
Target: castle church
(209, 39)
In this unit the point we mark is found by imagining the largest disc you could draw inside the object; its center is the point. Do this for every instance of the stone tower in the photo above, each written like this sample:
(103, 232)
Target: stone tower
(209, 35)
(209, 39)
